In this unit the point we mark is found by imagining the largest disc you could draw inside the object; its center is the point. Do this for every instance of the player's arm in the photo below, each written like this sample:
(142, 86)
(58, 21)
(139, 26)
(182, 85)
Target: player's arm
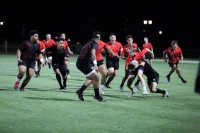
(69, 50)
(165, 55)
(93, 57)
(19, 55)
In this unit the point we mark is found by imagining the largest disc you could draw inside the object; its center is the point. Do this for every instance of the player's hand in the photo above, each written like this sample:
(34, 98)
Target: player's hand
(19, 60)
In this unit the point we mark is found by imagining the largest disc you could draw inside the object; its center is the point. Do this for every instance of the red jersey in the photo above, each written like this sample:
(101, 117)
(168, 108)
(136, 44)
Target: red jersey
(42, 45)
(65, 45)
(101, 45)
(116, 47)
(138, 57)
(49, 43)
(174, 55)
(126, 48)
(147, 45)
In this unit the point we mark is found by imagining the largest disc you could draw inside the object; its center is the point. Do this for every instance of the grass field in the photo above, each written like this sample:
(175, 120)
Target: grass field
(43, 108)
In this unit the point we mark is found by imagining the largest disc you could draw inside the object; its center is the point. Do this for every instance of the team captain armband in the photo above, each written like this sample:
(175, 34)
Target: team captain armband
(95, 62)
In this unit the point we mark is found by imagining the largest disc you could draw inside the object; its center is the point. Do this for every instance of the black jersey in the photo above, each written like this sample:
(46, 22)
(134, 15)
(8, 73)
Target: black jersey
(58, 55)
(29, 50)
(86, 50)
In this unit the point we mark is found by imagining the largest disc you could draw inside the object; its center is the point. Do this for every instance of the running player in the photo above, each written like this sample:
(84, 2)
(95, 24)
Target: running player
(87, 64)
(174, 53)
(26, 57)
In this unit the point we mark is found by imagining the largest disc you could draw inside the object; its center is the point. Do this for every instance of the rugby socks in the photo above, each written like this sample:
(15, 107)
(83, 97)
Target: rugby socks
(96, 92)
(18, 80)
(102, 87)
(67, 72)
(83, 87)
(160, 91)
(58, 77)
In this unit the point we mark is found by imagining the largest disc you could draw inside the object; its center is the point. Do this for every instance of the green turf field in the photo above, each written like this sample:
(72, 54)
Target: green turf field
(43, 108)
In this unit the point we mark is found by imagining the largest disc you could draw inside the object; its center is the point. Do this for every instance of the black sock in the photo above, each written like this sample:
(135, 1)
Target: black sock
(83, 87)
(96, 92)
(36, 72)
(67, 72)
(123, 80)
(137, 82)
(64, 81)
(58, 77)
(160, 91)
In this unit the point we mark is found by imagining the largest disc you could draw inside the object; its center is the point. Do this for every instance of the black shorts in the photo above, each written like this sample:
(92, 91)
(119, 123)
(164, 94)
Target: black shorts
(38, 61)
(153, 78)
(148, 56)
(112, 62)
(85, 66)
(27, 64)
(61, 68)
(171, 64)
(100, 62)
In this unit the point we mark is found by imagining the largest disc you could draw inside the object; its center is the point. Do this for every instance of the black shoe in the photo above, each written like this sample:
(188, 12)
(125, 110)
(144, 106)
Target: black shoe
(106, 85)
(21, 89)
(184, 81)
(168, 78)
(65, 86)
(99, 98)
(80, 95)
(62, 88)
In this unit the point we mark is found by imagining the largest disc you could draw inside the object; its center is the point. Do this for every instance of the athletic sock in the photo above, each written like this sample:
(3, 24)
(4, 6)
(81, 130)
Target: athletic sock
(160, 91)
(58, 77)
(96, 92)
(83, 87)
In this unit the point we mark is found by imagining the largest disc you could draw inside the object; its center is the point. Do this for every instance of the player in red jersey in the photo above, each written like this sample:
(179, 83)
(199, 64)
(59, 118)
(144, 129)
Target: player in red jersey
(148, 45)
(139, 57)
(100, 62)
(26, 56)
(151, 74)
(38, 62)
(112, 62)
(49, 42)
(174, 53)
(68, 51)
(125, 53)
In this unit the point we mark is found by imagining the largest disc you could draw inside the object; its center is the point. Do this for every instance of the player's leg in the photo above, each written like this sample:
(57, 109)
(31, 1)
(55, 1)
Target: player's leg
(179, 75)
(29, 73)
(124, 79)
(21, 71)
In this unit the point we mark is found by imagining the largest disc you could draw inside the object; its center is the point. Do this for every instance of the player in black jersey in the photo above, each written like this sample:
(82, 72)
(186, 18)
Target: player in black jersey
(87, 64)
(151, 74)
(26, 57)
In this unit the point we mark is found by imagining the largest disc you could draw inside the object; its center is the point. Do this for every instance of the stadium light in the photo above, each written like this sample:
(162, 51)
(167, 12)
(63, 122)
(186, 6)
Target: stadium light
(160, 32)
(150, 22)
(1, 23)
(145, 22)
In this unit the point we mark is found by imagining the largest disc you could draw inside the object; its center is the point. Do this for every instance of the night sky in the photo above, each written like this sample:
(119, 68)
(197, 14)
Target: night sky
(177, 20)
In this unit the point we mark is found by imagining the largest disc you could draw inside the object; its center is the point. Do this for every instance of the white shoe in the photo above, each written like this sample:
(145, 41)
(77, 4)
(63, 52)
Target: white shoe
(121, 88)
(131, 94)
(145, 92)
(166, 93)
(101, 91)
(68, 76)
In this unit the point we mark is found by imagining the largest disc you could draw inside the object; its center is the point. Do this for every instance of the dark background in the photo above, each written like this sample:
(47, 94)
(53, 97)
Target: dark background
(179, 20)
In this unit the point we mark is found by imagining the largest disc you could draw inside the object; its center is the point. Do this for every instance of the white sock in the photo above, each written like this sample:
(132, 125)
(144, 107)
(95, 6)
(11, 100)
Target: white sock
(101, 87)
(17, 79)
(144, 88)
